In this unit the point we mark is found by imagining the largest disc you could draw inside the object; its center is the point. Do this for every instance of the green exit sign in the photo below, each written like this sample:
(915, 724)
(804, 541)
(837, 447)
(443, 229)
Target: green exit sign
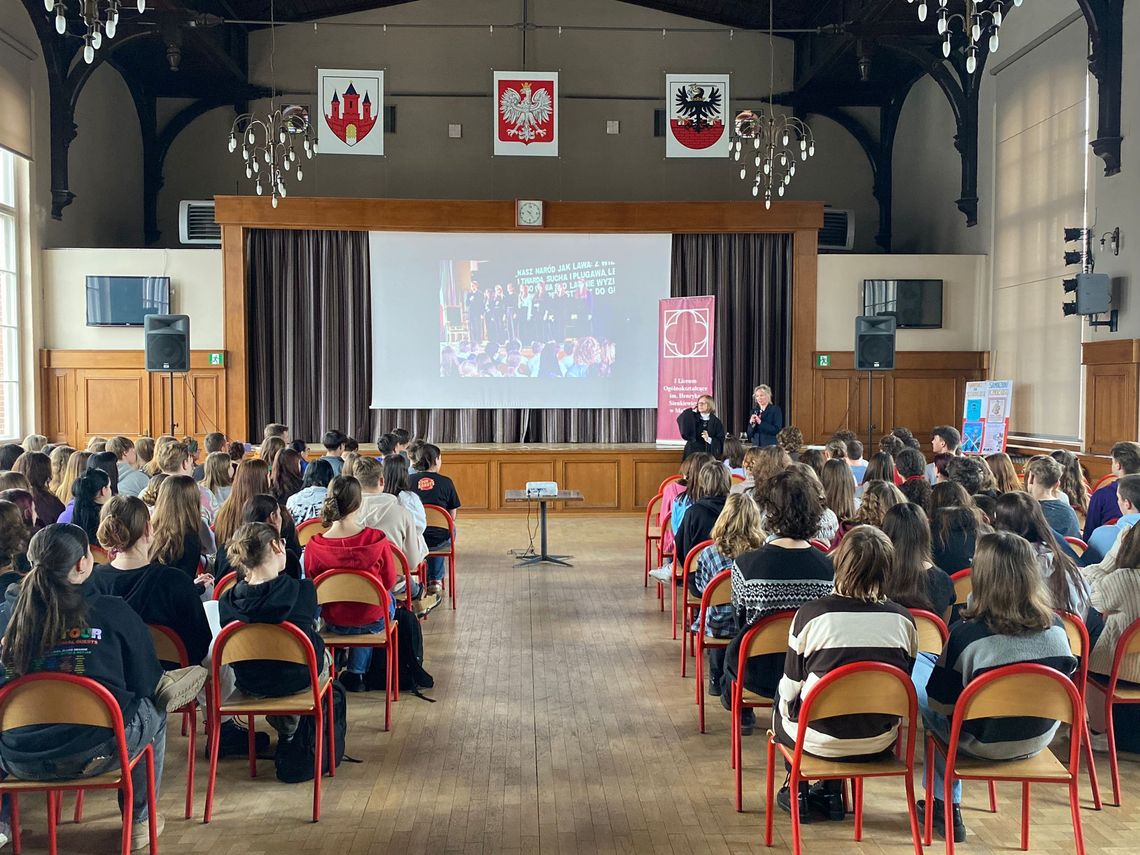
(823, 360)
(217, 359)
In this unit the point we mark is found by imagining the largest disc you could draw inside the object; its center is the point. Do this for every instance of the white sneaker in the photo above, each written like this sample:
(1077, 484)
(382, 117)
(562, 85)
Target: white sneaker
(664, 575)
(1100, 742)
(5, 834)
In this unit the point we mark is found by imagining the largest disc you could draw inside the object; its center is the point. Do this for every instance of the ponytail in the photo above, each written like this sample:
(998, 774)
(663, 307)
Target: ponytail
(249, 546)
(48, 604)
(86, 489)
(343, 498)
(426, 456)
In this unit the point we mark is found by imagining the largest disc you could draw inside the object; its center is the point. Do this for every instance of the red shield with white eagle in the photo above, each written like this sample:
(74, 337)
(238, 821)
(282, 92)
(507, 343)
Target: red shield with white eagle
(698, 109)
(525, 111)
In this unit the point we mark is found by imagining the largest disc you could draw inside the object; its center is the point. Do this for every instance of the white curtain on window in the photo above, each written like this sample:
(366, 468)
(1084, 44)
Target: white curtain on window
(15, 96)
(1039, 170)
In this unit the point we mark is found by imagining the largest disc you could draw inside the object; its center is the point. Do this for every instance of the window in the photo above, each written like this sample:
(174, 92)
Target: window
(9, 301)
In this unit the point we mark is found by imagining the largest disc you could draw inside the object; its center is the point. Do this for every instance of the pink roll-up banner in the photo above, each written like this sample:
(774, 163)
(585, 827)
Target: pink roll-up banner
(684, 360)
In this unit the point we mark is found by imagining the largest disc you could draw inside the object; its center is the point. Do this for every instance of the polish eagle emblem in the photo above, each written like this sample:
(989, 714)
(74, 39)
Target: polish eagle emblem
(697, 106)
(526, 110)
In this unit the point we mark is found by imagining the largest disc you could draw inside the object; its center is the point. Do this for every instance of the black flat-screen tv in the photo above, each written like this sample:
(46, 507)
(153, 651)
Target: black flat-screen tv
(123, 301)
(914, 303)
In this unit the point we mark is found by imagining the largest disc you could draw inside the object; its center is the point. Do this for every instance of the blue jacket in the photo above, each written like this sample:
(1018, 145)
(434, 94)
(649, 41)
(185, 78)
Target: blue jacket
(771, 423)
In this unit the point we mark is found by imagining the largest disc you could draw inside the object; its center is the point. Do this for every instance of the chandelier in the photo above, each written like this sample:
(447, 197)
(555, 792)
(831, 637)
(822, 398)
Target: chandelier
(977, 17)
(269, 142)
(101, 19)
(776, 140)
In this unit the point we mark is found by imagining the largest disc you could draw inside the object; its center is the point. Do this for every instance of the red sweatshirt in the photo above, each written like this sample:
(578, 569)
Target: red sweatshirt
(369, 551)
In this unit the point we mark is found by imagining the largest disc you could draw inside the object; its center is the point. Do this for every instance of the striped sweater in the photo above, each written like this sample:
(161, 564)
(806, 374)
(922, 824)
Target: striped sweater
(774, 578)
(1116, 595)
(829, 633)
(972, 650)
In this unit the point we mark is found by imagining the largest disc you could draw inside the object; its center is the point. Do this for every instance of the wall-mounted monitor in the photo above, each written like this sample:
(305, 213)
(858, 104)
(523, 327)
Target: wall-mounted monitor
(123, 301)
(914, 303)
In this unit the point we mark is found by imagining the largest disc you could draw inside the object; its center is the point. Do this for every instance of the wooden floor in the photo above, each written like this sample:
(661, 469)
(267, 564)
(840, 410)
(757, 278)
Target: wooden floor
(562, 725)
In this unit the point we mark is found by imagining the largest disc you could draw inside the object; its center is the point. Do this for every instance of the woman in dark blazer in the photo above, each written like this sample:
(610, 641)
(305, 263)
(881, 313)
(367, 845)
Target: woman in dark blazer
(767, 418)
(701, 429)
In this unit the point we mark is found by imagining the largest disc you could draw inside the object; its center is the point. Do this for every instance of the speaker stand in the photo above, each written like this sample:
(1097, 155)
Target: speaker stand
(170, 394)
(870, 410)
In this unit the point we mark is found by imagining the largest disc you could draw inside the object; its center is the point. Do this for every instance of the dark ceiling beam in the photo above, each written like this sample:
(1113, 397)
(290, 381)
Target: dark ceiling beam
(1105, 20)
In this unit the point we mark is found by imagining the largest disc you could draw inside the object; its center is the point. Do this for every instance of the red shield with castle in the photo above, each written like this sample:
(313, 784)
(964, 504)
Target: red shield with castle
(697, 107)
(352, 105)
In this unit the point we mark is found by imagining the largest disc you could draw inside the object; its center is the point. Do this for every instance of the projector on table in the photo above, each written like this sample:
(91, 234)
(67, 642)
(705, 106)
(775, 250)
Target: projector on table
(541, 489)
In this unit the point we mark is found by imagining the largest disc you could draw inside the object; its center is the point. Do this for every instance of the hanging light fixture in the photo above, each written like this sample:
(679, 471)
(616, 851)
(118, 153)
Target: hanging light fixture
(100, 17)
(269, 142)
(978, 18)
(771, 142)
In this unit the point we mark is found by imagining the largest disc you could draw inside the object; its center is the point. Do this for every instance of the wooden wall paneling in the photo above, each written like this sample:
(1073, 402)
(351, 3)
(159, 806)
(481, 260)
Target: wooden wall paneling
(1112, 393)
(58, 405)
(472, 482)
(109, 402)
(162, 391)
(805, 271)
(648, 473)
(597, 478)
(514, 471)
(204, 401)
(920, 403)
(237, 423)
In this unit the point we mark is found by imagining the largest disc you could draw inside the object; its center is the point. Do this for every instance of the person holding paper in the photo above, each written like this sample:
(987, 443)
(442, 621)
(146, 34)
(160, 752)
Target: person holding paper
(701, 429)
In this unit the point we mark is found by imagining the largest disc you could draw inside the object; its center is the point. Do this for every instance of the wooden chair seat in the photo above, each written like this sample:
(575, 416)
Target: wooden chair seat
(716, 642)
(364, 639)
(754, 698)
(107, 779)
(654, 532)
(243, 704)
(1128, 693)
(820, 767)
(1041, 767)
(692, 601)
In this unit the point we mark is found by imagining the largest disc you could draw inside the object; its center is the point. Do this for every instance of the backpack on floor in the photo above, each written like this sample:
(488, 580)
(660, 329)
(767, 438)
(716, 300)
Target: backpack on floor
(410, 656)
(294, 759)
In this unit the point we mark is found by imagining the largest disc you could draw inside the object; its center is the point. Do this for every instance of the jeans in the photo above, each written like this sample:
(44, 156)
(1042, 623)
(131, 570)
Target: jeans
(936, 723)
(359, 658)
(437, 564)
(147, 727)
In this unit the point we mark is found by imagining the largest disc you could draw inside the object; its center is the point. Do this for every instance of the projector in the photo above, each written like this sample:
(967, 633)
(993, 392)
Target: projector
(541, 489)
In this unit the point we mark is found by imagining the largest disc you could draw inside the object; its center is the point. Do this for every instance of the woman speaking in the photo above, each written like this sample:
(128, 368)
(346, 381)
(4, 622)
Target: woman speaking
(701, 429)
(766, 420)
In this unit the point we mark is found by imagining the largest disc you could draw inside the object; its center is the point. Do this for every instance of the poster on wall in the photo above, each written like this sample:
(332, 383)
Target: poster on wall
(352, 110)
(697, 108)
(985, 416)
(526, 113)
(684, 360)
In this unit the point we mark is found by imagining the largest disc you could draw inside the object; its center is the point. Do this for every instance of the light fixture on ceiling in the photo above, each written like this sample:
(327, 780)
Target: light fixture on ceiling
(776, 140)
(978, 18)
(269, 142)
(100, 17)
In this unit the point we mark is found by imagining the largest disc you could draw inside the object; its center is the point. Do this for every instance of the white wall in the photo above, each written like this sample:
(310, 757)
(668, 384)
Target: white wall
(196, 285)
(965, 324)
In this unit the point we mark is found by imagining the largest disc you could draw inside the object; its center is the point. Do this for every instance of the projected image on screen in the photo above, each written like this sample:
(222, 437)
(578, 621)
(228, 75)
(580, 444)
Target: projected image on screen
(502, 320)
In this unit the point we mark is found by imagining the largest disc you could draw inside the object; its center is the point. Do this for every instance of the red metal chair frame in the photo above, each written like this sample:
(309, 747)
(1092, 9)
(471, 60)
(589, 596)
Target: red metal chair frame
(1102, 481)
(189, 714)
(737, 689)
(687, 605)
(961, 574)
(224, 584)
(402, 560)
(722, 578)
(950, 750)
(1079, 546)
(314, 523)
(54, 789)
(795, 756)
(1111, 699)
(216, 710)
(661, 555)
(668, 481)
(1080, 680)
(820, 545)
(334, 642)
(651, 510)
(450, 553)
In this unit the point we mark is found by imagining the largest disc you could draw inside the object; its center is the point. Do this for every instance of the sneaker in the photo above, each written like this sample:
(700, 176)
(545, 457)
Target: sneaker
(234, 741)
(5, 833)
(940, 819)
(140, 831)
(352, 682)
(784, 800)
(435, 587)
(1099, 742)
(664, 575)
(179, 687)
(827, 798)
(714, 684)
(747, 721)
(425, 604)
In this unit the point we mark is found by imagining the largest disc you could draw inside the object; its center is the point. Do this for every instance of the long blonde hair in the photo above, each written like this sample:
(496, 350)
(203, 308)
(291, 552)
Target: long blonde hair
(737, 530)
(176, 517)
(218, 471)
(59, 457)
(76, 466)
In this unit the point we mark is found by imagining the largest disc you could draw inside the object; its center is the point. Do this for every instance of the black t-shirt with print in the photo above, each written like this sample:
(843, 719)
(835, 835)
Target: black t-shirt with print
(435, 489)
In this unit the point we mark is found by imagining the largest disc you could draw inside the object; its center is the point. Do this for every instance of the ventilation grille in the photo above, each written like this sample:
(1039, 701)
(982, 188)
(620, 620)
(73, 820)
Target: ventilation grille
(838, 232)
(196, 224)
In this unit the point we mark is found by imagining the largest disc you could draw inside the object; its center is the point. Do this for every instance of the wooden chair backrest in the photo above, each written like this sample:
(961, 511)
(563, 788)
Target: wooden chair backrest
(691, 559)
(820, 545)
(861, 691)
(668, 481)
(1021, 694)
(932, 632)
(439, 518)
(962, 586)
(768, 635)
(168, 645)
(719, 590)
(225, 583)
(309, 529)
(1128, 645)
(737, 478)
(264, 641)
(652, 510)
(54, 701)
(100, 554)
(1078, 545)
(1103, 481)
(349, 586)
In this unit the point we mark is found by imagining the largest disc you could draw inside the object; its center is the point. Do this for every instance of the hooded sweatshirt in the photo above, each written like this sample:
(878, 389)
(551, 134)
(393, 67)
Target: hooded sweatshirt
(276, 601)
(131, 481)
(368, 551)
(383, 511)
(160, 595)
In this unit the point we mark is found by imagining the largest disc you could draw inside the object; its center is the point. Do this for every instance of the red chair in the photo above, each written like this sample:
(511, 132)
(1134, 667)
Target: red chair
(718, 592)
(767, 635)
(1103, 481)
(1079, 546)
(652, 533)
(963, 586)
(667, 482)
(662, 555)
(1025, 689)
(170, 648)
(51, 698)
(860, 688)
(99, 554)
(359, 586)
(441, 518)
(1114, 693)
(281, 642)
(689, 602)
(224, 584)
(309, 529)
(820, 545)
(1078, 635)
(403, 567)
(737, 478)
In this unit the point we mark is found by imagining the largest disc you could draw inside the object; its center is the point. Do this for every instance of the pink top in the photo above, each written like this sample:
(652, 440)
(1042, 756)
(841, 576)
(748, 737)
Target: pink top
(672, 490)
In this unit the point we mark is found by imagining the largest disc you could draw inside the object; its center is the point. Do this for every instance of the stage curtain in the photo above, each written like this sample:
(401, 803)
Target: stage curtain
(310, 341)
(750, 275)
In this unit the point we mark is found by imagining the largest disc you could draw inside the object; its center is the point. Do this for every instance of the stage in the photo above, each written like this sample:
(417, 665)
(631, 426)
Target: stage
(612, 477)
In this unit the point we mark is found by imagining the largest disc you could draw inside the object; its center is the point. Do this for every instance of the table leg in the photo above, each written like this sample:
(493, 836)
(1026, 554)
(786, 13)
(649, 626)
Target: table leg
(544, 557)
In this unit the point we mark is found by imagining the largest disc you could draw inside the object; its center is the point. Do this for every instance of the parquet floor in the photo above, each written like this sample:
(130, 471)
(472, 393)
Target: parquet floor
(561, 725)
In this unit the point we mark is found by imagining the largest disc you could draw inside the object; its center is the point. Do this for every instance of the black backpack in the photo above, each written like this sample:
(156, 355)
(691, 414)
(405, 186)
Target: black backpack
(410, 656)
(294, 759)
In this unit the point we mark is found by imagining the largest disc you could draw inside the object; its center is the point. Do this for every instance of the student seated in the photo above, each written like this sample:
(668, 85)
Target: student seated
(14, 537)
(181, 537)
(675, 500)
(1105, 540)
(276, 429)
(264, 509)
(174, 458)
(36, 467)
(911, 465)
(828, 520)
(1074, 481)
(286, 479)
(116, 651)
(1102, 506)
(306, 504)
(1005, 475)
(349, 545)
(737, 530)
(270, 449)
(913, 580)
(709, 495)
(264, 594)
(734, 456)
(397, 484)
(839, 490)
(1043, 481)
(213, 443)
(91, 492)
(131, 480)
(1009, 620)
(820, 641)
(855, 459)
(434, 488)
(955, 526)
(334, 443)
(217, 476)
(158, 593)
(784, 573)
(60, 456)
